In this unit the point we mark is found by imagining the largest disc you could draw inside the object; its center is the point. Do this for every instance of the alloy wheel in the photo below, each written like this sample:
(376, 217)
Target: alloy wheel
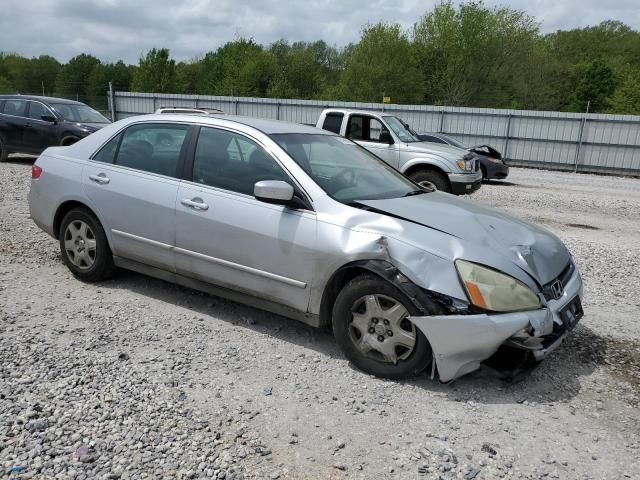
(80, 244)
(381, 330)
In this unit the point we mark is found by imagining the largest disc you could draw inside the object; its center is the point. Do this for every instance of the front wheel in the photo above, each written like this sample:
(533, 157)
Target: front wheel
(84, 246)
(371, 326)
(431, 179)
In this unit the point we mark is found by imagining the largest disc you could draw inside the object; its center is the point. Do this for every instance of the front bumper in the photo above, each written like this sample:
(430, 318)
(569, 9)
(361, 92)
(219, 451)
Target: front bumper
(462, 183)
(461, 342)
(496, 171)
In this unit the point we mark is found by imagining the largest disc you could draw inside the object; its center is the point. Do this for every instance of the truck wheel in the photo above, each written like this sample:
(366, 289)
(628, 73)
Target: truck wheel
(371, 326)
(431, 179)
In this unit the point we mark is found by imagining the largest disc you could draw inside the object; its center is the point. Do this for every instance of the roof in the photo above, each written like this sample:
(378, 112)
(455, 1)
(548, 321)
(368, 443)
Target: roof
(266, 126)
(42, 99)
(355, 111)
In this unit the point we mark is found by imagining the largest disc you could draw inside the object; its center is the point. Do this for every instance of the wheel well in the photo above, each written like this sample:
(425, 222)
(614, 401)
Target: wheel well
(63, 209)
(333, 288)
(423, 166)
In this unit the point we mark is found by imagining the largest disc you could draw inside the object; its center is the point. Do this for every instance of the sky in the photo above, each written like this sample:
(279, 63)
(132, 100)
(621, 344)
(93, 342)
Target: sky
(126, 29)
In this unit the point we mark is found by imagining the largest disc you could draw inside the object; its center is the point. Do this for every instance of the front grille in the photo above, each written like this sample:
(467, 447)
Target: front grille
(564, 278)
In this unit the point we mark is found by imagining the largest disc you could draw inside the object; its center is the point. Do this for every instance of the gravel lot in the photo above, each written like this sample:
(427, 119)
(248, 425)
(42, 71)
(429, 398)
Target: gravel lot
(138, 378)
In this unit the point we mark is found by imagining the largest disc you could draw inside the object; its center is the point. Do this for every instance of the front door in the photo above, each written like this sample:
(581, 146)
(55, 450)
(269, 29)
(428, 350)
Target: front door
(39, 134)
(227, 237)
(132, 184)
(366, 131)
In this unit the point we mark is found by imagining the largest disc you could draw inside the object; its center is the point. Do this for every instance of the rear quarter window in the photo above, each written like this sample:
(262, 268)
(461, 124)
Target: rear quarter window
(333, 122)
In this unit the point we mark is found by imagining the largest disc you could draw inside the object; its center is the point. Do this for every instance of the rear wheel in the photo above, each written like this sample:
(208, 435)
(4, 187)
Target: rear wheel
(431, 179)
(84, 246)
(371, 326)
(4, 153)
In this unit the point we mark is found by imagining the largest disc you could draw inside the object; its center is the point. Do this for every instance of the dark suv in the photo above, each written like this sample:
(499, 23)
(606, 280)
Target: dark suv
(31, 124)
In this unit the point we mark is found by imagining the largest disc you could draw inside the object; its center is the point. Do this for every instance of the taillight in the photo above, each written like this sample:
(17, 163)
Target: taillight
(36, 171)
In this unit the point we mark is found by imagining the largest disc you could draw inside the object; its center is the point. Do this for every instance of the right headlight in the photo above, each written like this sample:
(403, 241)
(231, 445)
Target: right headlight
(495, 291)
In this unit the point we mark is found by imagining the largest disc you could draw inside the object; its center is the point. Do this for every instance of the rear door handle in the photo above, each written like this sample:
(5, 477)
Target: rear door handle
(196, 203)
(101, 178)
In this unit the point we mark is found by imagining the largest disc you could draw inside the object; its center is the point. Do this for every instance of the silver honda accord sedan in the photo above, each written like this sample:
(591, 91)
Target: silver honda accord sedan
(307, 224)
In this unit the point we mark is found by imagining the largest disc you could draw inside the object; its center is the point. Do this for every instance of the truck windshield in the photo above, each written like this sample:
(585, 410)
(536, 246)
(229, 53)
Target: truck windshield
(343, 169)
(402, 130)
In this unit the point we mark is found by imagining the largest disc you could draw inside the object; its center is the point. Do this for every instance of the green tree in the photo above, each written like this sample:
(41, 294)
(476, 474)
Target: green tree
(594, 82)
(381, 63)
(156, 72)
(475, 55)
(626, 98)
(98, 82)
(72, 78)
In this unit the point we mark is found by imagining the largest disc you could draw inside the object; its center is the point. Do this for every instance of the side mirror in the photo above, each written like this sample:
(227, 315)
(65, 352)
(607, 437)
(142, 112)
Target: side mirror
(48, 118)
(273, 191)
(385, 137)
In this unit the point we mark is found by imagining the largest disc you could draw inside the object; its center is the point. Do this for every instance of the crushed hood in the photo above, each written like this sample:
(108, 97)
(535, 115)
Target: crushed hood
(534, 249)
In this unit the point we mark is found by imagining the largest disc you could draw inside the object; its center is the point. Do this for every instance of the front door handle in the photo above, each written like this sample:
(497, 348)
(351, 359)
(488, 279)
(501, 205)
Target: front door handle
(101, 178)
(196, 203)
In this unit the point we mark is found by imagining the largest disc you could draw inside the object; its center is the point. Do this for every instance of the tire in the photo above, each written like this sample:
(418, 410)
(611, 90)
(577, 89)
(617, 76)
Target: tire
(4, 153)
(84, 246)
(354, 311)
(68, 141)
(431, 178)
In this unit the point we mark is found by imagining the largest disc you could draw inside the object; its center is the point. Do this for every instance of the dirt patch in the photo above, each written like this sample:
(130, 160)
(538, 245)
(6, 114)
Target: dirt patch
(582, 226)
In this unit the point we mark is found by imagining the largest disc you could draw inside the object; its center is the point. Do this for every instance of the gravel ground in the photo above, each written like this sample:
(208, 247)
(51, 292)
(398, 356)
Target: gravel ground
(138, 378)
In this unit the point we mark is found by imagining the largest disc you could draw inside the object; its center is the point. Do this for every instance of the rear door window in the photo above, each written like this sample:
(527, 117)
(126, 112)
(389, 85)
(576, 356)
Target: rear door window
(152, 147)
(17, 108)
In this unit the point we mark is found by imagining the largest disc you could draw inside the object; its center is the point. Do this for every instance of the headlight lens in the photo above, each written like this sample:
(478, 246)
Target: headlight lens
(495, 291)
(464, 164)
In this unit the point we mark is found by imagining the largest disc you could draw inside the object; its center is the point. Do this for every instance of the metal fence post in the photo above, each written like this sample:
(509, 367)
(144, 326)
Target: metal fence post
(278, 111)
(237, 102)
(440, 130)
(506, 137)
(112, 102)
(579, 146)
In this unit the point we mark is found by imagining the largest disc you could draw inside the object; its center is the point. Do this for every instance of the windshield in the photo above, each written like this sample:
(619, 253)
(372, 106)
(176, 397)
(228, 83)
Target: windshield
(402, 130)
(346, 171)
(453, 142)
(79, 113)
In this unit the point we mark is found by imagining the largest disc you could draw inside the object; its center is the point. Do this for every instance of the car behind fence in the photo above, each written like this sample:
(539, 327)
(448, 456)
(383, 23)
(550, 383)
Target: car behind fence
(595, 143)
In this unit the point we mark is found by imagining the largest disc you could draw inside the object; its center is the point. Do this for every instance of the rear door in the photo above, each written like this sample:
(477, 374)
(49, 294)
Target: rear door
(366, 130)
(132, 184)
(39, 134)
(12, 123)
(227, 237)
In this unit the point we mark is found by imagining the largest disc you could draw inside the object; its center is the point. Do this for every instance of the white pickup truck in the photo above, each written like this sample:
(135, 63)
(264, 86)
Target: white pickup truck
(442, 167)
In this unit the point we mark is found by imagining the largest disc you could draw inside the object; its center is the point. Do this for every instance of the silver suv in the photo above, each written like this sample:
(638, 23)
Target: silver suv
(308, 224)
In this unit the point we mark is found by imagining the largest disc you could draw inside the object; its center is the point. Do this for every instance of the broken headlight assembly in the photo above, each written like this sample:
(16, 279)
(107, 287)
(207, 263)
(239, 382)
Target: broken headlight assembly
(495, 291)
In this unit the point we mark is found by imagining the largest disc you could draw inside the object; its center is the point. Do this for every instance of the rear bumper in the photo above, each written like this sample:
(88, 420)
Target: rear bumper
(461, 342)
(463, 183)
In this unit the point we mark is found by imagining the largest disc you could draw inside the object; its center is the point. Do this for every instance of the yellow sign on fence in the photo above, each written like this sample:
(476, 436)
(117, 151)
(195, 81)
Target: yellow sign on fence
(386, 99)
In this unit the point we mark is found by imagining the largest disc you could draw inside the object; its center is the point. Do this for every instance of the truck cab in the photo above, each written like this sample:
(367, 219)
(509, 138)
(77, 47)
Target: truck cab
(440, 167)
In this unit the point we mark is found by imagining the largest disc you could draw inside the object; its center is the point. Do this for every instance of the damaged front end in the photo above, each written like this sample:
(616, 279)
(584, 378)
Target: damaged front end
(460, 342)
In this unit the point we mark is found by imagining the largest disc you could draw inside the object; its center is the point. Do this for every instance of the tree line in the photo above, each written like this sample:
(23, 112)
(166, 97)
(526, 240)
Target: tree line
(461, 55)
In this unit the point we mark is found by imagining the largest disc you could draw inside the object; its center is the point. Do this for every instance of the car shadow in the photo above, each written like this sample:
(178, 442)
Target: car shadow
(504, 379)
